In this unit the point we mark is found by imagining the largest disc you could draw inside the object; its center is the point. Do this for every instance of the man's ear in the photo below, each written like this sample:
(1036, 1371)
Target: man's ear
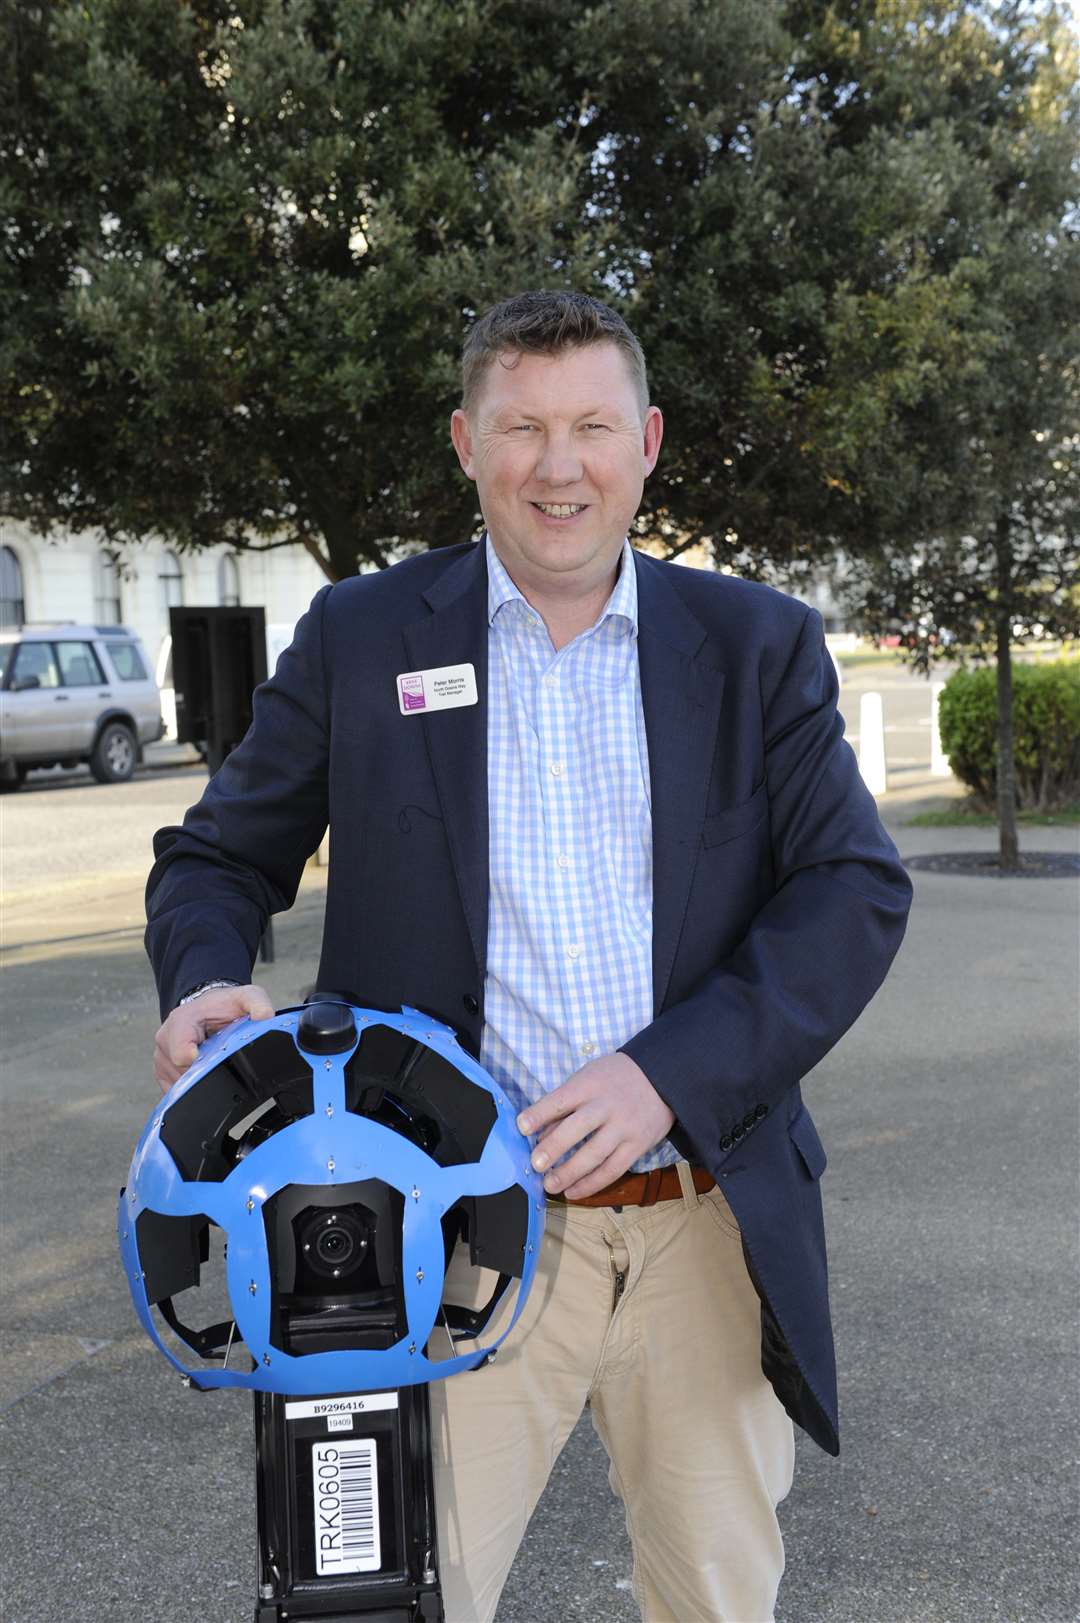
(654, 433)
(461, 435)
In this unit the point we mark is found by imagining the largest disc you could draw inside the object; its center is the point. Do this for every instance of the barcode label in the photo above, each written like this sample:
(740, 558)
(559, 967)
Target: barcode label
(346, 1506)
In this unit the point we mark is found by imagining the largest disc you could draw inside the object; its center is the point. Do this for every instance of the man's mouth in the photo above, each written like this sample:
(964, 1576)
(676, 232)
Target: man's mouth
(561, 509)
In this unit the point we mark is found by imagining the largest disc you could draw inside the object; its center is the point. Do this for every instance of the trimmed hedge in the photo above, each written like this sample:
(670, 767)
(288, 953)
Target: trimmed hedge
(1046, 723)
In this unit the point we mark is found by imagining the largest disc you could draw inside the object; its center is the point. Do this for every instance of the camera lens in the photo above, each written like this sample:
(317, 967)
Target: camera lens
(333, 1242)
(334, 1247)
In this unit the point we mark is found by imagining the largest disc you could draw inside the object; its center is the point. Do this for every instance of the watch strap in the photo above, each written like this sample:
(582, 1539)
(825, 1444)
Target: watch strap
(204, 986)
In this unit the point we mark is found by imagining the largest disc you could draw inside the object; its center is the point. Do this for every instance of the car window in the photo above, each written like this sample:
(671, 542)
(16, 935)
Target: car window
(127, 661)
(79, 667)
(35, 659)
(6, 649)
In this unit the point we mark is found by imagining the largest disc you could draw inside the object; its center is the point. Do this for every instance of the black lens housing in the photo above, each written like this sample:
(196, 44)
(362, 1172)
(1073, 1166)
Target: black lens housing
(331, 1245)
(335, 1266)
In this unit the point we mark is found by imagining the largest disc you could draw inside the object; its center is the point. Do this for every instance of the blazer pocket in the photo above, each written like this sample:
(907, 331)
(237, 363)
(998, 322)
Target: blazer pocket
(804, 1136)
(728, 825)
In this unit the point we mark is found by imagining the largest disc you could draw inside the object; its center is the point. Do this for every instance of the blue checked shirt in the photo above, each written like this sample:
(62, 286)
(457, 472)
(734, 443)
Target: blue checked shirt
(569, 968)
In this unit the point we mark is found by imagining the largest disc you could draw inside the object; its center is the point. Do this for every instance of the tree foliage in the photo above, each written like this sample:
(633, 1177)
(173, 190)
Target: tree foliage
(1046, 726)
(952, 404)
(246, 239)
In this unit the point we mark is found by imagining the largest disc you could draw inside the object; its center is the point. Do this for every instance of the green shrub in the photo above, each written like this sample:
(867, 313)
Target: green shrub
(1046, 725)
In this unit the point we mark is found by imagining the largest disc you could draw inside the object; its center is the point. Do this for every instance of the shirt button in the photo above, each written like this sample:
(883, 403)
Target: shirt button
(587, 1049)
(563, 860)
(549, 681)
(557, 769)
(573, 950)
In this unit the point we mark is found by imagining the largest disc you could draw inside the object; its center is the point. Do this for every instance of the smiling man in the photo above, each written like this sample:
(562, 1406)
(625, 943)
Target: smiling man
(634, 865)
(559, 446)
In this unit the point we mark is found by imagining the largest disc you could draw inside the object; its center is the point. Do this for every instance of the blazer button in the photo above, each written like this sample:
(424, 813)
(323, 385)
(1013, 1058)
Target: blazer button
(749, 1119)
(471, 1005)
(760, 1111)
(738, 1131)
(726, 1142)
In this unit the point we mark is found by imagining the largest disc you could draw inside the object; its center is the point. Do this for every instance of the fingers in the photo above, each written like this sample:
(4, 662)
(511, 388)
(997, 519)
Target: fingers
(562, 1136)
(254, 1001)
(601, 1158)
(614, 1167)
(167, 1068)
(601, 1120)
(176, 1045)
(551, 1108)
(589, 1129)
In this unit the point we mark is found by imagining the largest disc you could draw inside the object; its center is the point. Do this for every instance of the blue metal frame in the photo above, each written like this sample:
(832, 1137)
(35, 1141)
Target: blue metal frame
(332, 1146)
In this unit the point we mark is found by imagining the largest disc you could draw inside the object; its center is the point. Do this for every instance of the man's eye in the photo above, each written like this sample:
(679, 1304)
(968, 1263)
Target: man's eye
(521, 428)
(592, 426)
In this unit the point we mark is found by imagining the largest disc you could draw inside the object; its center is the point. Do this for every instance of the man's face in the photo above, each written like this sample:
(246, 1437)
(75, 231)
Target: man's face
(559, 452)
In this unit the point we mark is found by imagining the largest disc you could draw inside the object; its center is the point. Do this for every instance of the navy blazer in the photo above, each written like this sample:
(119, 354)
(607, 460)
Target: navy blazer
(778, 899)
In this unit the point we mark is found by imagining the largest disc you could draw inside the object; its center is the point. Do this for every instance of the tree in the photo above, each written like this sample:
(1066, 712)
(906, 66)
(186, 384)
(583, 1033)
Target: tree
(951, 405)
(245, 240)
(911, 399)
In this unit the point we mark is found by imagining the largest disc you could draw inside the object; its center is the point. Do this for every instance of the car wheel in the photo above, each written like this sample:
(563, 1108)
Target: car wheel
(115, 754)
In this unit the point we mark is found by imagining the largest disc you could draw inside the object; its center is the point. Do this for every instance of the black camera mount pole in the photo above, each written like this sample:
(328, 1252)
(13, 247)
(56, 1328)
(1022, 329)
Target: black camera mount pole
(344, 1486)
(346, 1509)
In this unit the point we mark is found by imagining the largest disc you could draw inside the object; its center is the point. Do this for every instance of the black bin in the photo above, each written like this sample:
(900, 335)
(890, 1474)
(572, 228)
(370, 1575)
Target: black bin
(218, 660)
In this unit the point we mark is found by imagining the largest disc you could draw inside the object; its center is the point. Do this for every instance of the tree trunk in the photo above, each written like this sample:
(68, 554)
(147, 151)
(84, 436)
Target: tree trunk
(1008, 841)
(309, 543)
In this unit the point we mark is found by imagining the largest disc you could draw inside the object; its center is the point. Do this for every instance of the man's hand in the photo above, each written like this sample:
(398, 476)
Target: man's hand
(609, 1108)
(177, 1042)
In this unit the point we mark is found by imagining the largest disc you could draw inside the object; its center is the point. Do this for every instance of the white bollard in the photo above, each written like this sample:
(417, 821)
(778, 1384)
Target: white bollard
(939, 761)
(872, 743)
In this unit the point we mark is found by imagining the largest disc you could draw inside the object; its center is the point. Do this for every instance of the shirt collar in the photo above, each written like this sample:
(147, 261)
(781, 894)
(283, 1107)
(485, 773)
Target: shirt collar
(622, 604)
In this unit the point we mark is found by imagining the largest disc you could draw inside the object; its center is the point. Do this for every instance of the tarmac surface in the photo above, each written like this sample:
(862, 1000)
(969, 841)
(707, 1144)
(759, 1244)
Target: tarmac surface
(949, 1113)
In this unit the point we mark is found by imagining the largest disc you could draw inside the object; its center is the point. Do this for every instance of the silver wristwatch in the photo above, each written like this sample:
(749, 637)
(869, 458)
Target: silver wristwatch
(204, 986)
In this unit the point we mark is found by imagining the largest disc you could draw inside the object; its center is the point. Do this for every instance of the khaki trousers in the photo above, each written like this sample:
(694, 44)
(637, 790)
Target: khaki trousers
(669, 1364)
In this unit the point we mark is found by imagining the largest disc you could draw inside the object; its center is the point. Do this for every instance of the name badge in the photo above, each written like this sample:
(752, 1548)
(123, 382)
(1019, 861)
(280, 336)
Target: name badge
(447, 688)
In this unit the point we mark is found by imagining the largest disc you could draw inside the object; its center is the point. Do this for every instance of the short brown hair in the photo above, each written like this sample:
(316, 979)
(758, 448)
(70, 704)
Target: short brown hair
(546, 323)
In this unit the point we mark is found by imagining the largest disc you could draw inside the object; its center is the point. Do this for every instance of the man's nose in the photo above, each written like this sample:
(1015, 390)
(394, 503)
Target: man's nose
(559, 463)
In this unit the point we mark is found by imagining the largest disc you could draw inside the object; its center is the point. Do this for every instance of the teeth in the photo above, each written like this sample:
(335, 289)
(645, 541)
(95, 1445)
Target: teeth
(560, 509)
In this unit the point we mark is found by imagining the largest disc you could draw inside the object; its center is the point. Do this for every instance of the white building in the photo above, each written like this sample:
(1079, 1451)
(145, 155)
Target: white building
(73, 579)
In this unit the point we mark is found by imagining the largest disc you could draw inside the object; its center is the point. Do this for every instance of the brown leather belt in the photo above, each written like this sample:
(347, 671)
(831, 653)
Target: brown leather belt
(644, 1188)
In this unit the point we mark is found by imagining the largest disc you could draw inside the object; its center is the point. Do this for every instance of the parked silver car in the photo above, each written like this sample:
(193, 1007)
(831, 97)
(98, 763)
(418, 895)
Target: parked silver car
(71, 693)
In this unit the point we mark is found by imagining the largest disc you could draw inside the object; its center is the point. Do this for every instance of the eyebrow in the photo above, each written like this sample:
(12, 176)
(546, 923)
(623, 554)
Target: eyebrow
(589, 413)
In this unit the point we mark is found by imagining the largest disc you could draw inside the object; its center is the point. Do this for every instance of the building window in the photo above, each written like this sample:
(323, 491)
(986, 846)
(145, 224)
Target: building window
(228, 581)
(171, 577)
(106, 591)
(12, 604)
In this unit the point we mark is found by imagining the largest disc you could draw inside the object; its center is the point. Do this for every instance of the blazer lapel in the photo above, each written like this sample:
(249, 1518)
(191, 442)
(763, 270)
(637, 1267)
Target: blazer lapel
(455, 633)
(681, 695)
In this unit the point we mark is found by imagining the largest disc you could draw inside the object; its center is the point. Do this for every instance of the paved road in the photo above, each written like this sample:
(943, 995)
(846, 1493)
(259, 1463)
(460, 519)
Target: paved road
(905, 700)
(949, 1114)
